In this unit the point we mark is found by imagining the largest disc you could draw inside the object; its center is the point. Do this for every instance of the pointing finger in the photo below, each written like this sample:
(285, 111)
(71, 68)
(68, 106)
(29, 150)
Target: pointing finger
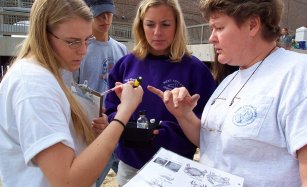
(156, 91)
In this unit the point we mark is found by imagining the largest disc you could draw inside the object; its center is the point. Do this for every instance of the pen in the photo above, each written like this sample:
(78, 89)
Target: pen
(110, 90)
(136, 83)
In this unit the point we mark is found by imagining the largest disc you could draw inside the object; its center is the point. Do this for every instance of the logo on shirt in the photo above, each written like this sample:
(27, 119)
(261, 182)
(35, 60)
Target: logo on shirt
(106, 67)
(171, 84)
(245, 115)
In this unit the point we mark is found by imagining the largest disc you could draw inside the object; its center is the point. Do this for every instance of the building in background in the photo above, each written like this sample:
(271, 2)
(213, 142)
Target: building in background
(14, 15)
(294, 15)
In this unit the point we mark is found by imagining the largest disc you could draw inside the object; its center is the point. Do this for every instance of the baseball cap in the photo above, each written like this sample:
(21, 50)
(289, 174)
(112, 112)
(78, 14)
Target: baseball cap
(100, 6)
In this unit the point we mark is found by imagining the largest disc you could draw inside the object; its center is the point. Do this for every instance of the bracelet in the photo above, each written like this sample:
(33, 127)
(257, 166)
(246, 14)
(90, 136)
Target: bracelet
(120, 122)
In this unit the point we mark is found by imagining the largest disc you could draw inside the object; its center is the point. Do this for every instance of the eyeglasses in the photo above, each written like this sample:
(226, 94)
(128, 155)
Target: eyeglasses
(233, 99)
(74, 44)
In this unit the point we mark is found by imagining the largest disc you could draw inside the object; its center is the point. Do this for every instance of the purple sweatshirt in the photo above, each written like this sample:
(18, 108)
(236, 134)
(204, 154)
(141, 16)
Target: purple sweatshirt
(160, 72)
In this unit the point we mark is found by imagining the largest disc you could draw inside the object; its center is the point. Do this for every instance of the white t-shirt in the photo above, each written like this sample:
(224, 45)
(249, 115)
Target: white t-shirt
(35, 114)
(258, 136)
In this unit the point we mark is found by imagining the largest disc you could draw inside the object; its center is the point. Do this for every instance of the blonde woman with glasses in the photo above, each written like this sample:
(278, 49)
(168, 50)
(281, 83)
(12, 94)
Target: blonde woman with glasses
(46, 138)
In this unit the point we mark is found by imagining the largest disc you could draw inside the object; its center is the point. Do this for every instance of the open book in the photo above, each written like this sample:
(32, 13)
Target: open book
(167, 168)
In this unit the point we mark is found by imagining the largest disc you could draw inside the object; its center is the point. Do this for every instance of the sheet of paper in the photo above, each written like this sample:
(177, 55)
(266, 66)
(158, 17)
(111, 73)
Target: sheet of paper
(168, 169)
(89, 100)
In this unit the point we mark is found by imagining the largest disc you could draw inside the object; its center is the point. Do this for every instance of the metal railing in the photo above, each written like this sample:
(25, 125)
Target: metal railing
(3, 70)
(14, 16)
(199, 34)
(16, 3)
(14, 21)
(121, 31)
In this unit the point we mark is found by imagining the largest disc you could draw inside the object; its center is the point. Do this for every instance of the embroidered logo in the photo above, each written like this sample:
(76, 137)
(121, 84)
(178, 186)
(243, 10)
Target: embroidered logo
(245, 115)
(171, 84)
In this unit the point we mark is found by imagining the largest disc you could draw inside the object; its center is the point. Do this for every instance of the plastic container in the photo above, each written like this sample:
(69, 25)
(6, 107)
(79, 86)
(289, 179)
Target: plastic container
(142, 122)
(302, 45)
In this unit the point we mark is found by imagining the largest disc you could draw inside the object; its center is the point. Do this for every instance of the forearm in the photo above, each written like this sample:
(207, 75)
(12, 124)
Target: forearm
(62, 167)
(91, 162)
(302, 158)
(190, 125)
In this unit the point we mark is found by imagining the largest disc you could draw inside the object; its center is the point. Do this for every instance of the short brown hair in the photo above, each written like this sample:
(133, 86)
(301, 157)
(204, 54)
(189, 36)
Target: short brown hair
(269, 11)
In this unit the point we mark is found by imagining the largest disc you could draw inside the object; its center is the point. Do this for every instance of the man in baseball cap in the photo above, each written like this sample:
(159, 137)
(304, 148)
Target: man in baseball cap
(100, 6)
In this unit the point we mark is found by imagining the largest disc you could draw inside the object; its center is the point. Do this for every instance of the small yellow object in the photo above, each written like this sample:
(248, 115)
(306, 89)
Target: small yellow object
(137, 82)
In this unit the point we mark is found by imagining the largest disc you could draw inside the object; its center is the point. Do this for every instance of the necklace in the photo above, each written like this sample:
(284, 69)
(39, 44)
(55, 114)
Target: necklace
(233, 99)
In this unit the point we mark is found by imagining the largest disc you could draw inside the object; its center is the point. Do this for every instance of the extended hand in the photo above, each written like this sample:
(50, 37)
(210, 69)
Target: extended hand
(177, 101)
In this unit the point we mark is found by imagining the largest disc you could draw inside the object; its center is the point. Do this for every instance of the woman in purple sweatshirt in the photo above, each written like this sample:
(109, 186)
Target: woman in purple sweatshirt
(161, 58)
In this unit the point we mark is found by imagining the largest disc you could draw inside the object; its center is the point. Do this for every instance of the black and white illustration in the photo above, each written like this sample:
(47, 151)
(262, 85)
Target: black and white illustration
(217, 180)
(160, 161)
(173, 166)
(161, 181)
(195, 183)
(168, 169)
(194, 172)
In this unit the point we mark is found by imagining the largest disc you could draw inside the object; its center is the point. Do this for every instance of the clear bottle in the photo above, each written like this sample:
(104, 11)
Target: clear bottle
(142, 122)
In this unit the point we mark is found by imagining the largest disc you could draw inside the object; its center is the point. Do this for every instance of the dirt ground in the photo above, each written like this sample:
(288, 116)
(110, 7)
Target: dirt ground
(110, 180)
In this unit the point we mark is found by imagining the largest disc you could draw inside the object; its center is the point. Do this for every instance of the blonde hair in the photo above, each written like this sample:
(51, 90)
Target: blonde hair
(178, 47)
(44, 16)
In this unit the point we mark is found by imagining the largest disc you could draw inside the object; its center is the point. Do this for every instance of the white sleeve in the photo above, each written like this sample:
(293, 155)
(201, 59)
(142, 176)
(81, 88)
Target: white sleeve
(43, 119)
(296, 127)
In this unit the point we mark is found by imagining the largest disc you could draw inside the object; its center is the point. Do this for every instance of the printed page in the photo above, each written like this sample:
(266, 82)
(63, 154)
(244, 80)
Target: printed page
(168, 169)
